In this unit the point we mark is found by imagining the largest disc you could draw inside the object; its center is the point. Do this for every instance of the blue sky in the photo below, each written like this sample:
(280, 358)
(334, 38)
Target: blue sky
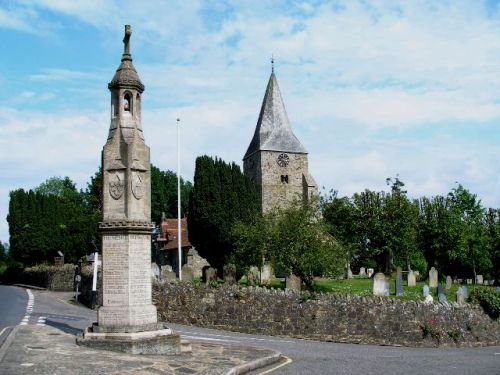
(372, 88)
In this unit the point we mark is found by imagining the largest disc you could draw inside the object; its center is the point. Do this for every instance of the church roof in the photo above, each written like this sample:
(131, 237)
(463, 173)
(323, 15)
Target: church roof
(273, 131)
(126, 75)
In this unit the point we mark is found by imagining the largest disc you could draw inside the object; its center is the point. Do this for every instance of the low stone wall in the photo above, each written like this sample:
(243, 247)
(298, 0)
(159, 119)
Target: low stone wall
(328, 317)
(56, 278)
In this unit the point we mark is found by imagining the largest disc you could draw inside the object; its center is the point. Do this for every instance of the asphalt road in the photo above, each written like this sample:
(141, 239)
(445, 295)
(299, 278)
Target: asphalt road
(13, 303)
(307, 357)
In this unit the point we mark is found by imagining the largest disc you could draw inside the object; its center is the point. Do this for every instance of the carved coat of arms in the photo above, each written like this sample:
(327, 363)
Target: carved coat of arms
(116, 187)
(137, 186)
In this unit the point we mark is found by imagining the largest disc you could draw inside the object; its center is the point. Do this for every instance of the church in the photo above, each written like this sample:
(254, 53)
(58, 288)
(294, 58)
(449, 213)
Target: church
(275, 160)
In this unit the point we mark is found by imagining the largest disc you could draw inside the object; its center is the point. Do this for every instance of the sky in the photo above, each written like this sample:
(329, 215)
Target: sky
(373, 89)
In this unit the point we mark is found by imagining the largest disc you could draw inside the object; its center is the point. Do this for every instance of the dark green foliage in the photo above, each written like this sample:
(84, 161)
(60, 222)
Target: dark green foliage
(489, 299)
(221, 195)
(164, 194)
(48, 220)
(386, 229)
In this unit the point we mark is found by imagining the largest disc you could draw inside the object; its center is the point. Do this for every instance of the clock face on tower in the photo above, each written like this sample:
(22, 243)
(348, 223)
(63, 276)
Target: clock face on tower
(283, 160)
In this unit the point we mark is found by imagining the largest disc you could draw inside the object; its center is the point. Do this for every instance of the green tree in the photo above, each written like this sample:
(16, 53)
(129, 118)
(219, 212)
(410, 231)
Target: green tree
(493, 233)
(294, 239)
(221, 195)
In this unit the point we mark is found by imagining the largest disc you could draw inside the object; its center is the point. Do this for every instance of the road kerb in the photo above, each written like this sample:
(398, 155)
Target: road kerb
(256, 364)
(7, 342)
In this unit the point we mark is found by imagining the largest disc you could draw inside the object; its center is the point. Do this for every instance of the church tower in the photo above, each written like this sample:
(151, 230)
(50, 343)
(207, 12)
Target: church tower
(275, 160)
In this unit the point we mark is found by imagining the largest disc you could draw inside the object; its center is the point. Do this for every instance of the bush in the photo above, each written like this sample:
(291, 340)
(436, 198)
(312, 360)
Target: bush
(488, 299)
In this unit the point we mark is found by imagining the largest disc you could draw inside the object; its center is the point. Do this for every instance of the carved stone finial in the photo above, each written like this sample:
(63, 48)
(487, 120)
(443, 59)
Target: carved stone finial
(126, 40)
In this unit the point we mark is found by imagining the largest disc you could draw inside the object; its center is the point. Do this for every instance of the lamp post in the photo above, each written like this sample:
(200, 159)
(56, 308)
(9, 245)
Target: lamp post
(179, 233)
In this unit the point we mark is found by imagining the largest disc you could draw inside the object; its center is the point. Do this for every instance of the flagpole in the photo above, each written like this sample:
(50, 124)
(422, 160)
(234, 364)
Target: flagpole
(179, 232)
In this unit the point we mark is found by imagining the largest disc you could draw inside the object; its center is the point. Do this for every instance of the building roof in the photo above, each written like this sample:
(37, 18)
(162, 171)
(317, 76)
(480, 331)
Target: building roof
(273, 131)
(126, 75)
(168, 234)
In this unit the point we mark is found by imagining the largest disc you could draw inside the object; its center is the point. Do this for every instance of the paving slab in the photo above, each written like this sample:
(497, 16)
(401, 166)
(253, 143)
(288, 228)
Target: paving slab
(47, 350)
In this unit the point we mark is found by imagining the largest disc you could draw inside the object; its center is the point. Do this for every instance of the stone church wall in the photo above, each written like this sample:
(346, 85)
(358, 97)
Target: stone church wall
(338, 318)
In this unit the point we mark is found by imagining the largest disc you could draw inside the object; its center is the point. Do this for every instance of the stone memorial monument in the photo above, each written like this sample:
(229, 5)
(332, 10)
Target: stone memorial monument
(293, 283)
(379, 288)
(127, 320)
(362, 272)
(188, 273)
(425, 290)
(370, 272)
(479, 279)
(460, 296)
(412, 279)
(266, 274)
(433, 278)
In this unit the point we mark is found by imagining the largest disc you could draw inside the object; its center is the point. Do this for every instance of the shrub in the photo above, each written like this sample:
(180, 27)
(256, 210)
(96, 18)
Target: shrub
(488, 299)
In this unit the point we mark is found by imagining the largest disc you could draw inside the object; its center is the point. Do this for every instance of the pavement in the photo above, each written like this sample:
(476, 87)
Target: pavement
(46, 349)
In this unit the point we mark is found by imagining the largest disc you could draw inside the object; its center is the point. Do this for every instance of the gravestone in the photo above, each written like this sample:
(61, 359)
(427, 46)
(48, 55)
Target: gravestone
(292, 283)
(169, 276)
(229, 274)
(399, 272)
(349, 273)
(253, 276)
(417, 274)
(379, 284)
(428, 299)
(155, 270)
(187, 273)
(479, 279)
(469, 281)
(196, 262)
(460, 296)
(486, 282)
(442, 297)
(369, 272)
(412, 279)
(440, 289)
(433, 278)
(209, 275)
(448, 282)
(127, 320)
(386, 289)
(465, 291)
(399, 285)
(362, 272)
(425, 290)
(266, 274)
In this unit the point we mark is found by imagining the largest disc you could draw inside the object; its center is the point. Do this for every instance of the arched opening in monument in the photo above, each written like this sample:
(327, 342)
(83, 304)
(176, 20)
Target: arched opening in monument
(114, 105)
(127, 103)
(138, 105)
(284, 178)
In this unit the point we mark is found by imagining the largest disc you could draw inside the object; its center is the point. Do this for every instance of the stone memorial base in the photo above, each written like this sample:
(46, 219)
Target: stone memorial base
(158, 340)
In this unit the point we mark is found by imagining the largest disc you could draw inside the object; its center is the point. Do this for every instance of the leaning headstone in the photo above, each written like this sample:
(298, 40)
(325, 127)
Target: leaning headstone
(433, 278)
(412, 279)
(479, 279)
(229, 274)
(253, 276)
(292, 283)
(399, 285)
(440, 289)
(187, 273)
(362, 272)
(209, 275)
(370, 272)
(448, 282)
(442, 297)
(425, 290)
(417, 274)
(379, 284)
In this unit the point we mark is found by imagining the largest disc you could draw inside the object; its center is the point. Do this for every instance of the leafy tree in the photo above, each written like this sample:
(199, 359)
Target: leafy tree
(3, 254)
(58, 187)
(294, 239)
(221, 195)
(493, 233)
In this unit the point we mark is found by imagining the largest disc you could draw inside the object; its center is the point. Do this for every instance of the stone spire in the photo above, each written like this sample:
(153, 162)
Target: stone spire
(126, 76)
(273, 131)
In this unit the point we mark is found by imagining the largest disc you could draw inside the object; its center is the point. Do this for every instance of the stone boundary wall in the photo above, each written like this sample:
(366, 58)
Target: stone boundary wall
(56, 278)
(326, 317)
